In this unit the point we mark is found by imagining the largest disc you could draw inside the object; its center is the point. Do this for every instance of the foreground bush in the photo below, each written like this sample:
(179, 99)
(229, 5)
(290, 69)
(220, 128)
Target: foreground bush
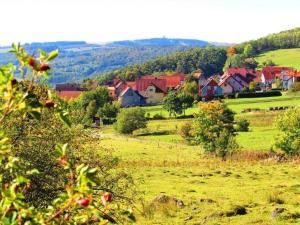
(129, 120)
(30, 152)
(289, 125)
(242, 125)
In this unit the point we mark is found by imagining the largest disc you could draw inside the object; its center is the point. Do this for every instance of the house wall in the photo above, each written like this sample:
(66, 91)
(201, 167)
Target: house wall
(237, 87)
(153, 97)
(226, 89)
(130, 98)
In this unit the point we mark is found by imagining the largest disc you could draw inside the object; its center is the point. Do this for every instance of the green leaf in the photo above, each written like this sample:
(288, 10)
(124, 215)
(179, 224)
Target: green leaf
(52, 55)
(35, 114)
(63, 116)
(32, 172)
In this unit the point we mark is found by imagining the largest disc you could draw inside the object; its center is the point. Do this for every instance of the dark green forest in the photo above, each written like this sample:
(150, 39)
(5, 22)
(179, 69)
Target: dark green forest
(210, 60)
(283, 40)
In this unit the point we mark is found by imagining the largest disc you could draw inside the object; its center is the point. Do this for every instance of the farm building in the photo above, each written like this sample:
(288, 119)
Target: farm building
(69, 91)
(268, 75)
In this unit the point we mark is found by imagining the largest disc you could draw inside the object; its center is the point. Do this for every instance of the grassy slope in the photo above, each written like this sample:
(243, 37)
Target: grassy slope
(161, 162)
(283, 57)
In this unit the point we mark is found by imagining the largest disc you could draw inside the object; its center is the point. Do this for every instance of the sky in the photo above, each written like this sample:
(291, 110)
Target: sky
(97, 21)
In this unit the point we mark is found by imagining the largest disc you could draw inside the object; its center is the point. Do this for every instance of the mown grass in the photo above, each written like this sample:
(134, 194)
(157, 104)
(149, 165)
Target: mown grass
(282, 57)
(211, 189)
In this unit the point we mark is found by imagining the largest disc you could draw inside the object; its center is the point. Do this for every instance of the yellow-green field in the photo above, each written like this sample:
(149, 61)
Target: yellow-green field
(282, 57)
(212, 190)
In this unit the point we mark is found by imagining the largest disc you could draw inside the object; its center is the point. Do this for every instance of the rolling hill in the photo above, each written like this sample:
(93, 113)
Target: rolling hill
(79, 60)
(282, 57)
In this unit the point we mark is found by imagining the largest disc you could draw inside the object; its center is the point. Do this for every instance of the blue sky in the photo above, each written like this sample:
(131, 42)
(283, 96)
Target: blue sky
(108, 20)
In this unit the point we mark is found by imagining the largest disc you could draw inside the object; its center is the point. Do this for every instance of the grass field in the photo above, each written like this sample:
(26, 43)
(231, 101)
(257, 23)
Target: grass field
(283, 57)
(238, 105)
(212, 190)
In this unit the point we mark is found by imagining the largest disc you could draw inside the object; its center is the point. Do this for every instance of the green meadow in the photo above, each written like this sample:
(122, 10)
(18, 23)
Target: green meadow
(213, 191)
(282, 57)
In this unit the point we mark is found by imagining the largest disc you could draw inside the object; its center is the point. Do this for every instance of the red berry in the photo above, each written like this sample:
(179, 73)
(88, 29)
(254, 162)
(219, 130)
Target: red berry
(63, 161)
(13, 82)
(49, 104)
(84, 202)
(44, 67)
(31, 61)
(107, 196)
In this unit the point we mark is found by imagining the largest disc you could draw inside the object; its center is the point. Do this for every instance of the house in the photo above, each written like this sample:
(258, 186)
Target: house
(173, 82)
(153, 89)
(210, 90)
(288, 78)
(129, 97)
(237, 79)
(69, 91)
(268, 75)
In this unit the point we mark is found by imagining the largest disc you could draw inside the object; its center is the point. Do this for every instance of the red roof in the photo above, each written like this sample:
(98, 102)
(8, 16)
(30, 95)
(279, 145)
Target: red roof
(257, 79)
(270, 72)
(131, 84)
(143, 84)
(242, 71)
(294, 73)
(172, 80)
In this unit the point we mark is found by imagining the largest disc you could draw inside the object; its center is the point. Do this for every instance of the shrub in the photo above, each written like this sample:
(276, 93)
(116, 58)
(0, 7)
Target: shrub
(130, 119)
(295, 87)
(186, 130)
(289, 125)
(158, 117)
(29, 154)
(242, 125)
(258, 94)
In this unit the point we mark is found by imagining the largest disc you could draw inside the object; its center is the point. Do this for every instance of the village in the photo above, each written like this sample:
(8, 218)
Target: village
(152, 89)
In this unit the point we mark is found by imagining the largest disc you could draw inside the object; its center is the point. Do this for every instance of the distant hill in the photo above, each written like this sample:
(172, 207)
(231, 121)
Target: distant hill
(161, 42)
(79, 60)
(282, 57)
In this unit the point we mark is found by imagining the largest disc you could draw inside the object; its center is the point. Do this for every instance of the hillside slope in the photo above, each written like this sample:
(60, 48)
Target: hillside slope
(79, 60)
(282, 57)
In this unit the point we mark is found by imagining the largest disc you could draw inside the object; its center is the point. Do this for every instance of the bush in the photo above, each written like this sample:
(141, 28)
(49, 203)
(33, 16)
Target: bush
(186, 130)
(289, 125)
(258, 94)
(130, 119)
(295, 87)
(36, 167)
(158, 117)
(242, 125)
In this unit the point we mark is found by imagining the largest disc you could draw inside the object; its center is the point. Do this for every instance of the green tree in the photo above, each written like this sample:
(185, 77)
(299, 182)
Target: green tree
(173, 104)
(100, 95)
(213, 129)
(289, 125)
(129, 120)
(191, 88)
(90, 112)
(108, 111)
(186, 101)
(249, 51)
